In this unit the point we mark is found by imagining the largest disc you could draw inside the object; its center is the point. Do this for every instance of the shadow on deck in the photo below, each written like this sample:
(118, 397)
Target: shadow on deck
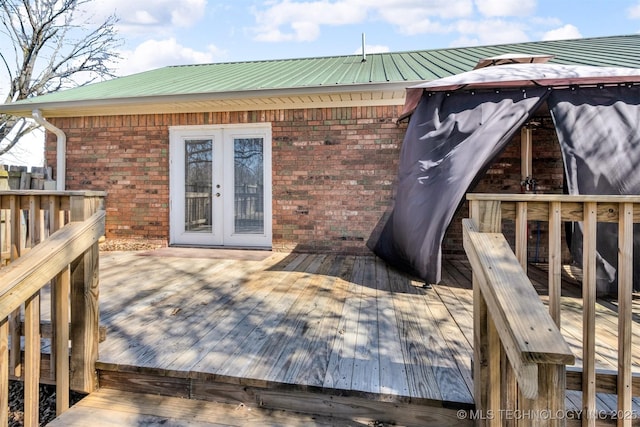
(335, 336)
(340, 336)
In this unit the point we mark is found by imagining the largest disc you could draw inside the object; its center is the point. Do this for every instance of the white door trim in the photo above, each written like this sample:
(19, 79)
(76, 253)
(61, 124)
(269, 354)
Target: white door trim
(222, 233)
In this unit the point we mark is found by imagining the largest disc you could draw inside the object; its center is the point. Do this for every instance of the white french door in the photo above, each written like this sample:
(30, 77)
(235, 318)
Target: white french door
(220, 185)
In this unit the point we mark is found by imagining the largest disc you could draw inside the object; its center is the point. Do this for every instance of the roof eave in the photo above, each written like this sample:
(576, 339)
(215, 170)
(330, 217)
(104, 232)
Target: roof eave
(128, 104)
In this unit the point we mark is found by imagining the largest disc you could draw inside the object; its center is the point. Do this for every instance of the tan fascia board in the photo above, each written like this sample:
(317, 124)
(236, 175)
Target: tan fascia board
(145, 104)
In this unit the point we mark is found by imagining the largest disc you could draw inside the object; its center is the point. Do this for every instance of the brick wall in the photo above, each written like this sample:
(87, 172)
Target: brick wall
(333, 176)
(333, 171)
(128, 157)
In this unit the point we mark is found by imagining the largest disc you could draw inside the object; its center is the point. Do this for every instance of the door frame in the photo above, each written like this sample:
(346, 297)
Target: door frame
(222, 233)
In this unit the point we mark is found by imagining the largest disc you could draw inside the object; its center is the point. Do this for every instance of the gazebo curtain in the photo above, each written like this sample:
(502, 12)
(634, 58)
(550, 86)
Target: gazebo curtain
(598, 130)
(450, 140)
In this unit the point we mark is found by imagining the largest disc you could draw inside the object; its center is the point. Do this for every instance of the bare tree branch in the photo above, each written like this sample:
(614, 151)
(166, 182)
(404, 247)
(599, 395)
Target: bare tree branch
(52, 49)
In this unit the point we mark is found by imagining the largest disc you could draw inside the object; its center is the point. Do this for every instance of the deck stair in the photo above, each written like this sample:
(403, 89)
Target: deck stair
(108, 407)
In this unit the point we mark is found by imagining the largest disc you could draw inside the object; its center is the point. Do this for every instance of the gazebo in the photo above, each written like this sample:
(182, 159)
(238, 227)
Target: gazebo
(459, 125)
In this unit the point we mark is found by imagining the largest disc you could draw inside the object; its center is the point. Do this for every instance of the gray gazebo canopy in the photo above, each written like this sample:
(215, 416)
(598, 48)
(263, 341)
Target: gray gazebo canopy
(460, 124)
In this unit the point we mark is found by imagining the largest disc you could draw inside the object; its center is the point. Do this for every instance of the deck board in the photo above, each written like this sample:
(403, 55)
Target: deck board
(245, 343)
(420, 343)
(393, 375)
(309, 366)
(220, 323)
(455, 356)
(284, 358)
(340, 365)
(108, 408)
(366, 367)
(246, 329)
(345, 325)
(272, 360)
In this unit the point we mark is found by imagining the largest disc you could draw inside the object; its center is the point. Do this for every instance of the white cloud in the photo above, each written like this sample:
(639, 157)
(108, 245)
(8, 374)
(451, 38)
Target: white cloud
(422, 18)
(401, 11)
(153, 54)
(290, 20)
(465, 41)
(545, 21)
(305, 30)
(566, 32)
(301, 21)
(423, 26)
(493, 31)
(142, 15)
(297, 20)
(506, 7)
(634, 11)
(374, 48)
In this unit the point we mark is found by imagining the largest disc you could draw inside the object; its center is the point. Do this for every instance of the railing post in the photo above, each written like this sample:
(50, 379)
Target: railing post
(35, 221)
(589, 314)
(625, 313)
(487, 216)
(31, 360)
(480, 352)
(84, 306)
(494, 351)
(552, 383)
(510, 383)
(555, 260)
(552, 377)
(4, 371)
(60, 338)
(521, 234)
(14, 227)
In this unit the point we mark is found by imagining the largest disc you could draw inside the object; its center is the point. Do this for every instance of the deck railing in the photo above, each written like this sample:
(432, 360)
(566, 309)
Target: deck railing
(519, 353)
(487, 214)
(49, 244)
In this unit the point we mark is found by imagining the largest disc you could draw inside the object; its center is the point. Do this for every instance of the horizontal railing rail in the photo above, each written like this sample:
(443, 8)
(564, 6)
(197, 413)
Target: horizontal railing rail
(28, 217)
(30, 273)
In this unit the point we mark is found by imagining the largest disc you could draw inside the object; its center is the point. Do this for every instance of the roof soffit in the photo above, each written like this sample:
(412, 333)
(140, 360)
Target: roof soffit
(357, 95)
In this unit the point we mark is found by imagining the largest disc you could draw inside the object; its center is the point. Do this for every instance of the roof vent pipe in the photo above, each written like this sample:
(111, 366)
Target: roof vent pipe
(364, 53)
(61, 150)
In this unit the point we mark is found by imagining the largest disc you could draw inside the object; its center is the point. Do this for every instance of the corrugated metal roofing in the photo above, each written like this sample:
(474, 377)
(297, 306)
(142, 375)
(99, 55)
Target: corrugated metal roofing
(339, 72)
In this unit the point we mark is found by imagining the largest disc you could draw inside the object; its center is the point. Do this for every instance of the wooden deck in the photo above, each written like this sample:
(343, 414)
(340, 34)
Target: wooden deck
(331, 335)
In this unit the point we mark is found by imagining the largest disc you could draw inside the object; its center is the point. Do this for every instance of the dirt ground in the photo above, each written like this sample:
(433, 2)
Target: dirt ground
(130, 244)
(47, 403)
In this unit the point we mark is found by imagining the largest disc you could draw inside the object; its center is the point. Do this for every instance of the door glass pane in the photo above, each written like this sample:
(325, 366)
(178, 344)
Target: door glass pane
(198, 183)
(249, 186)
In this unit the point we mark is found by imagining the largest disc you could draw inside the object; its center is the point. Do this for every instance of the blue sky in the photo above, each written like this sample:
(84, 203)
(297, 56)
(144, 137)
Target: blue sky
(156, 33)
(165, 32)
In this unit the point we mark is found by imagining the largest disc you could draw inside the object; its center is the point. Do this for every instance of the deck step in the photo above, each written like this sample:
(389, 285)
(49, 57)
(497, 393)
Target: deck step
(118, 408)
(342, 407)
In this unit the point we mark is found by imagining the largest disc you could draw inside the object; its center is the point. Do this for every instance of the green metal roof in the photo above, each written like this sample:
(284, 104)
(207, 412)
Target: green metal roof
(339, 73)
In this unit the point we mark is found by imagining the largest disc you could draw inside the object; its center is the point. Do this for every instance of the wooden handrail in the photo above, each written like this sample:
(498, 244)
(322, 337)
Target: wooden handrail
(489, 211)
(39, 250)
(513, 323)
(527, 332)
(31, 272)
